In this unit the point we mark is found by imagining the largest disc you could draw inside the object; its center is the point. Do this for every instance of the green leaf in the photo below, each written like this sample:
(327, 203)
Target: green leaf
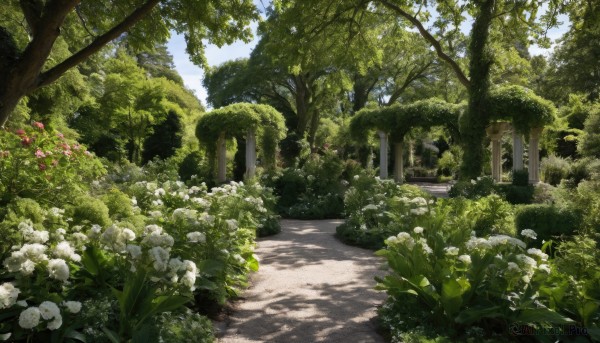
(542, 315)
(452, 291)
(168, 303)
(211, 267)
(111, 335)
(473, 314)
(76, 335)
(205, 284)
(252, 263)
(146, 334)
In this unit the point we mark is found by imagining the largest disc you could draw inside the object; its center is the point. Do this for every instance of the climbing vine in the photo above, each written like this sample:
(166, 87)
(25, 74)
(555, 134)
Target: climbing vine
(397, 120)
(236, 120)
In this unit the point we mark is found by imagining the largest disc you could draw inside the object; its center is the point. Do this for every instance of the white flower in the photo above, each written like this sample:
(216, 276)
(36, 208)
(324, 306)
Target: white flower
(58, 269)
(155, 214)
(128, 235)
(419, 211)
(232, 224)
(189, 266)
(134, 250)
(475, 243)
(55, 323)
(150, 229)
(29, 318)
(27, 267)
(22, 303)
(391, 240)
(189, 280)
(538, 253)
(356, 177)
(239, 259)
(160, 257)
(418, 230)
(527, 262)
(466, 259)
(529, 234)
(497, 240)
(513, 267)
(405, 239)
(451, 251)
(420, 201)
(72, 306)
(159, 192)
(64, 250)
(49, 310)
(8, 295)
(175, 264)
(369, 207)
(196, 237)
(544, 267)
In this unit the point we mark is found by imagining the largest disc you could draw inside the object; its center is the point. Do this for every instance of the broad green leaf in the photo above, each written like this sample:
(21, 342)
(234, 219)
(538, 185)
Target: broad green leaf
(542, 315)
(111, 335)
(473, 314)
(211, 267)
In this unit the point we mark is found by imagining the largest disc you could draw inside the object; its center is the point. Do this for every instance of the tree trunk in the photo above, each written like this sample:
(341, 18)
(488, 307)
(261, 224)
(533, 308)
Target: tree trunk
(24, 75)
(303, 104)
(476, 119)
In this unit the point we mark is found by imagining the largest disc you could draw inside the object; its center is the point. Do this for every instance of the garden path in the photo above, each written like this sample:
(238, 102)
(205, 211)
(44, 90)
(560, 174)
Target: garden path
(439, 190)
(310, 288)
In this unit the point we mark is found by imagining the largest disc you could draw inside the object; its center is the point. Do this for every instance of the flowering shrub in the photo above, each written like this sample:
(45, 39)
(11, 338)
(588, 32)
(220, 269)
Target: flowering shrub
(454, 279)
(314, 191)
(35, 163)
(376, 209)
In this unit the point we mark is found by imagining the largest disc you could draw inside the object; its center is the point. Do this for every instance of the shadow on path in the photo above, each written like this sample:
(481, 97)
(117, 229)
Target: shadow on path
(310, 288)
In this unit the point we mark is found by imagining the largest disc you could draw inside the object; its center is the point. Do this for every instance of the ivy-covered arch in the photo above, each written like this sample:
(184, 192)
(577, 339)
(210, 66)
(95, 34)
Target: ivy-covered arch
(397, 120)
(518, 109)
(252, 120)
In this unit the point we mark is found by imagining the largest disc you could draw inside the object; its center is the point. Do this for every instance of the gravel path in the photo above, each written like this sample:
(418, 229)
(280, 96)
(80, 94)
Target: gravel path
(310, 288)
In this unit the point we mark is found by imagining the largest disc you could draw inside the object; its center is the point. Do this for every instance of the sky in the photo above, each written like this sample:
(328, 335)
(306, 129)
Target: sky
(192, 75)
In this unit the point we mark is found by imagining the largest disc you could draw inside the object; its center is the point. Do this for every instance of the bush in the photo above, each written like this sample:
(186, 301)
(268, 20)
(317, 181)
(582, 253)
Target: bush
(473, 189)
(548, 221)
(554, 169)
(448, 164)
(515, 194)
(194, 165)
(118, 204)
(520, 177)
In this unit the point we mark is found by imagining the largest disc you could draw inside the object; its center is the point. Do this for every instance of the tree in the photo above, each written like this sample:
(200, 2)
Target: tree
(494, 21)
(86, 27)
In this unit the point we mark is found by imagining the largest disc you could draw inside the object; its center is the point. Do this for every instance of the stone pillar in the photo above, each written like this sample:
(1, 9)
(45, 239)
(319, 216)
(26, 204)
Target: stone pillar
(222, 158)
(250, 154)
(495, 131)
(517, 151)
(534, 155)
(411, 153)
(383, 158)
(399, 162)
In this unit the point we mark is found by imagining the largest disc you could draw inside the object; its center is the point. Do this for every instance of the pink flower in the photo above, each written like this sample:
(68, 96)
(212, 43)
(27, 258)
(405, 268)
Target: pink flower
(39, 154)
(42, 166)
(60, 135)
(76, 147)
(67, 152)
(38, 125)
(87, 153)
(20, 132)
(26, 141)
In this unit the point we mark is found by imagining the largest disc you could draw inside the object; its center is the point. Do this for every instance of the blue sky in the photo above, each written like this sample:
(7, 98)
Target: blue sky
(192, 75)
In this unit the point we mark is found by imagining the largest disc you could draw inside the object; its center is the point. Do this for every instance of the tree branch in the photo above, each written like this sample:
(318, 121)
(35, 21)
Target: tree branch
(32, 11)
(57, 71)
(434, 42)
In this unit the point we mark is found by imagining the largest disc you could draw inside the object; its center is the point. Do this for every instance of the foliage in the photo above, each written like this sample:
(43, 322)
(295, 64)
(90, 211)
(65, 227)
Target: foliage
(194, 166)
(313, 191)
(554, 169)
(165, 139)
(375, 209)
(484, 186)
(397, 120)
(548, 221)
(525, 109)
(590, 141)
(34, 162)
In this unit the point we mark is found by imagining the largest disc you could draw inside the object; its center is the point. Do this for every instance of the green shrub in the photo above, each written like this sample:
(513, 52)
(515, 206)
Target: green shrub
(118, 203)
(448, 164)
(554, 169)
(89, 210)
(491, 215)
(520, 177)
(516, 194)
(473, 189)
(184, 327)
(547, 221)
(192, 164)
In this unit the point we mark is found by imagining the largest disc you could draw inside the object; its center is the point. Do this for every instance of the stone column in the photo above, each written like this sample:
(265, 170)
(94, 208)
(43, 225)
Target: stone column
(495, 131)
(411, 153)
(399, 162)
(250, 154)
(517, 151)
(222, 158)
(383, 158)
(534, 155)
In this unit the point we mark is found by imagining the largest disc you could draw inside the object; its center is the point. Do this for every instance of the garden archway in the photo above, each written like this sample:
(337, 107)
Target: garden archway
(394, 122)
(518, 110)
(256, 122)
